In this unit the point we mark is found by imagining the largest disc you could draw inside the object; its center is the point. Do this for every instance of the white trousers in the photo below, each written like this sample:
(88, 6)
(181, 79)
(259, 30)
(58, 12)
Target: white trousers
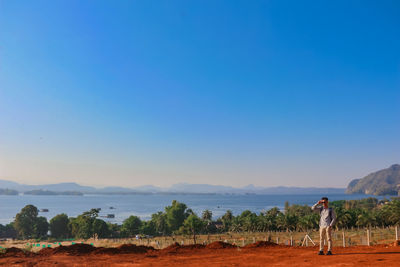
(322, 232)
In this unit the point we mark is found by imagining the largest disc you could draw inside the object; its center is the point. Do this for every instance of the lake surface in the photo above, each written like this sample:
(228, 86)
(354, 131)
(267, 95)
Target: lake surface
(145, 205)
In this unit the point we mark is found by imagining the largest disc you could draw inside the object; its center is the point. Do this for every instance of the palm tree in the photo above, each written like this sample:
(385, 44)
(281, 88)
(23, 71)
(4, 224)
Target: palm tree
(287, 222)
(236, 225)
(366, 218)
(227, 219)
(206, 216)
(343, 218)
(394, 208)
(305, 223)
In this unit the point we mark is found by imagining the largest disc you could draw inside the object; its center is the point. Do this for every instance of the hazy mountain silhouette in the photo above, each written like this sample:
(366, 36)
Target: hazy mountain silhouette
(175, 188)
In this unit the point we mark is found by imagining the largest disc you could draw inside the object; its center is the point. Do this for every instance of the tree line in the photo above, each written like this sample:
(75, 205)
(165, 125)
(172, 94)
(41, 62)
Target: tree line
(178, 219)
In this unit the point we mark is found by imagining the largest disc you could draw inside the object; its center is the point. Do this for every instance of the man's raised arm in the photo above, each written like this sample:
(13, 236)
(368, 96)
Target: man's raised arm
(316, 207)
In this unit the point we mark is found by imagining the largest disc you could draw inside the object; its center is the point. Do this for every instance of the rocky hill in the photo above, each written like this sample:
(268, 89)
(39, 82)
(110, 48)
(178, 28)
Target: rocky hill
(383, 182)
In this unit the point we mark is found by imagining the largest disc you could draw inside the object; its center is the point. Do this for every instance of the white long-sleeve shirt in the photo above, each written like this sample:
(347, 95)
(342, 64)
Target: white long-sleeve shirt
(325, 219)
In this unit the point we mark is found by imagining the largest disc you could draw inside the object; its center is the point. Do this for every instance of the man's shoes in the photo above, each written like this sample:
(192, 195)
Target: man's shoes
(320, 252)
(329, 253)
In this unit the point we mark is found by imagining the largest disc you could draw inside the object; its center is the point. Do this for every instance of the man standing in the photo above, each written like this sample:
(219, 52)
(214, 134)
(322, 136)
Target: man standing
(327, 221)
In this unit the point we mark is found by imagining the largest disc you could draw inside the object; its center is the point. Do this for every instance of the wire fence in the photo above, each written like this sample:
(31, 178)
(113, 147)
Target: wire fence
(346, 238)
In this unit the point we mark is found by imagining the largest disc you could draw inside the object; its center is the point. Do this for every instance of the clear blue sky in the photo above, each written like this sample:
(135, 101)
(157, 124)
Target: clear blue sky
(127, 93)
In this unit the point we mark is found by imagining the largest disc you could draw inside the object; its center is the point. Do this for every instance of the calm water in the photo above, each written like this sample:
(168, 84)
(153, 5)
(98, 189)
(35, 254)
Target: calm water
(145, 205)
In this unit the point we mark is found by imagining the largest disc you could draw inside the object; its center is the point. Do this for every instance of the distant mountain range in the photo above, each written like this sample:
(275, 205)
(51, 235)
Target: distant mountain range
(174, 189)
(382, 182)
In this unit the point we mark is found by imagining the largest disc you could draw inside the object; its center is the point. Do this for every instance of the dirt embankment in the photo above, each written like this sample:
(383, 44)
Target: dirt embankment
(261, 253)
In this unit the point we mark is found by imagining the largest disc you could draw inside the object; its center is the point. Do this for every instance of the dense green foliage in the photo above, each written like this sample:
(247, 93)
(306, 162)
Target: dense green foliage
(192, 225)
(87, 225)
(131, 226)
(41, 227)
(176, 215)
(59, 226)
(178, 219)
(8, 231)
(28, 225)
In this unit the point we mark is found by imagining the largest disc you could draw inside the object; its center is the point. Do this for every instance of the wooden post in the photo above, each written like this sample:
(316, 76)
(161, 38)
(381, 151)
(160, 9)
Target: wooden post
(344, 240)
(397, 232)
(368, 237)
(291, 240)
(277, 239)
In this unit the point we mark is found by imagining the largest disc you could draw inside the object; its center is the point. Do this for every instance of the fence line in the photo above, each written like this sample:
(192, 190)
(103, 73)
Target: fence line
(344, 237)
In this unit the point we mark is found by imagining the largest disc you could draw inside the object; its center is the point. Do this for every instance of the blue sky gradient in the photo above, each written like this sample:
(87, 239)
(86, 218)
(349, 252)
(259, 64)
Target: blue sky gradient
(296, 93)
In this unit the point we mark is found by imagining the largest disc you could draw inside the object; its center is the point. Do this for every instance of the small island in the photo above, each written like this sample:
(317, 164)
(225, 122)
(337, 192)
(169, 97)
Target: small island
(8, 192)
(41, 192)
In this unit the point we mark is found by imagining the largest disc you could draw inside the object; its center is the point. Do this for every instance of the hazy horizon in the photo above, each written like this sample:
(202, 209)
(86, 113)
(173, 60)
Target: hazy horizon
(129, 93)
(162, 187)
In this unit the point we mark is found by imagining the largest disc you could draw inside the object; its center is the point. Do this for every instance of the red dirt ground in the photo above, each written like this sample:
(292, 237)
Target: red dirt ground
(215, 254)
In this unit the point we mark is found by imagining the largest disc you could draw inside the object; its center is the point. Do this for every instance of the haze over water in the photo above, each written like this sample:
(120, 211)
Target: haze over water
(145, 205)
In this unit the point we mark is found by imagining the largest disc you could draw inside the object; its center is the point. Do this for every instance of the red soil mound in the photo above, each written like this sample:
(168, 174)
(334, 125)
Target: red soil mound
(46, 251)
(383, 255)
(194, 246)
(108, 251)
(261, 244)
(176, 247)
(172, 248)
(123, 249)
(131, 248)
(73, 250)
(15, 252)
(84, 249)
(219, 245)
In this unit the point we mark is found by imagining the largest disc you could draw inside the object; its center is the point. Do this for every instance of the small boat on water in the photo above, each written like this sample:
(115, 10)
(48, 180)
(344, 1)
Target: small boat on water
(44, 210)
(112, 208)
(110, 216)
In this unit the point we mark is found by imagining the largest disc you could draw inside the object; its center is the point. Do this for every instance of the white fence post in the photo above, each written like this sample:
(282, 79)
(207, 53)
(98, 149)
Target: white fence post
(368, 237)
(397, 233)
(344, 240)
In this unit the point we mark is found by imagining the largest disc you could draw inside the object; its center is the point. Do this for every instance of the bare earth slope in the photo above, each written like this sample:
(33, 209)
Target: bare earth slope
(197, 255)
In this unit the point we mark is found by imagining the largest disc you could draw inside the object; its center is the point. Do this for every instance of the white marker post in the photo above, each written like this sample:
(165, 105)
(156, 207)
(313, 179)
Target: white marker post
(344, 240)
(368, 237)
(397, 232)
